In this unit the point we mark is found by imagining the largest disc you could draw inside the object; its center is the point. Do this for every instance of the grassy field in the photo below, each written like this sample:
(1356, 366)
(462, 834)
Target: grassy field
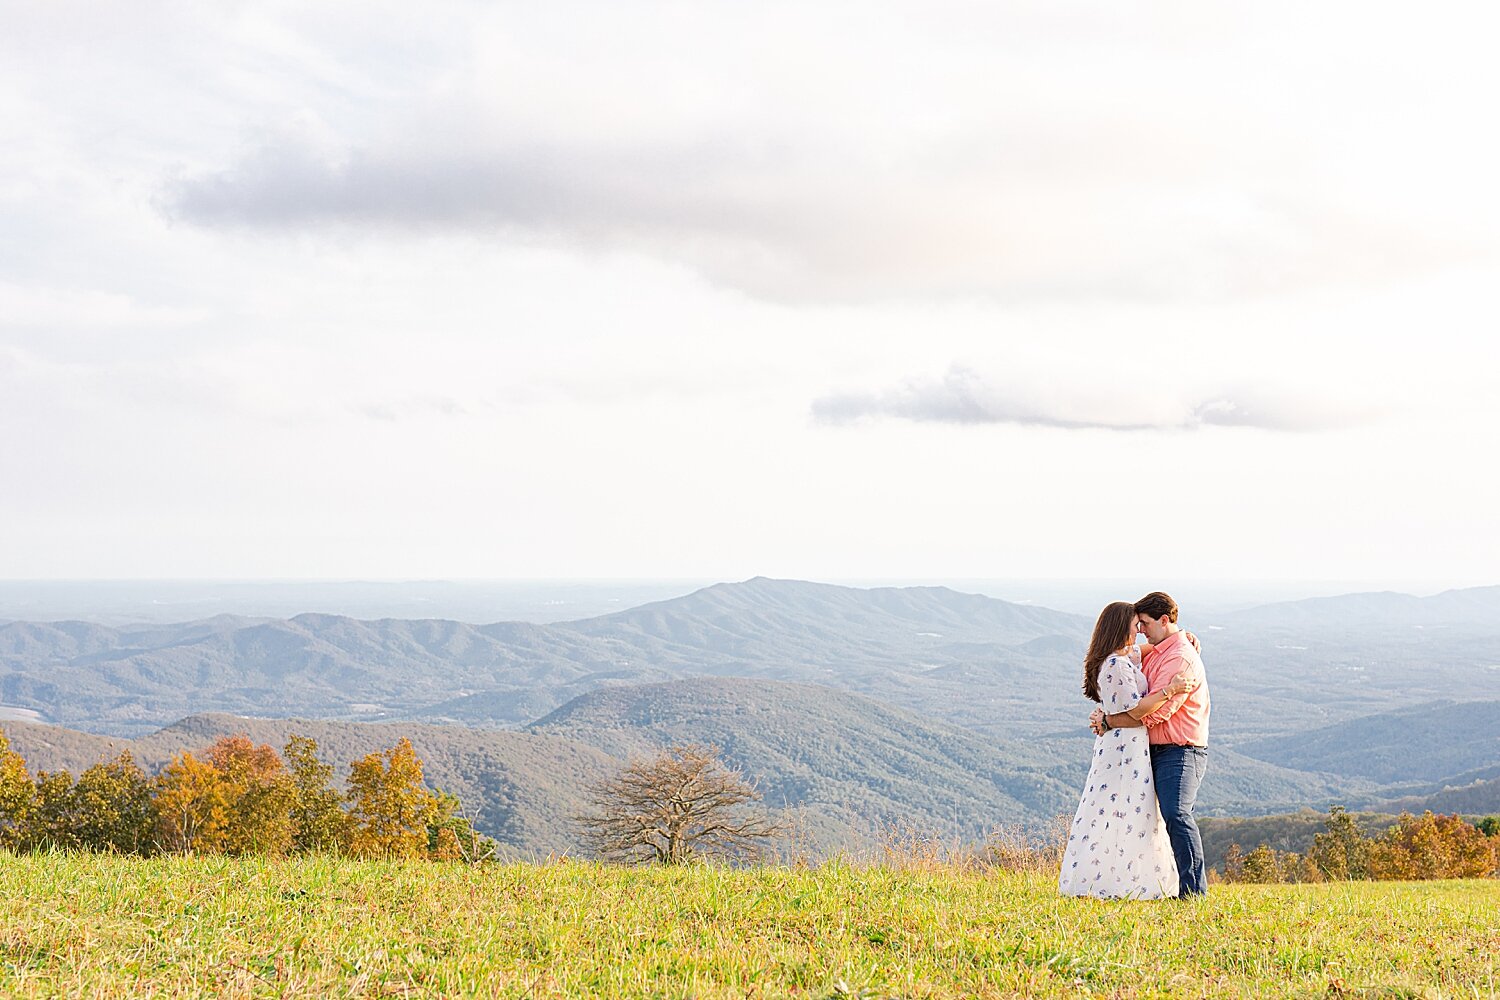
(84, 926)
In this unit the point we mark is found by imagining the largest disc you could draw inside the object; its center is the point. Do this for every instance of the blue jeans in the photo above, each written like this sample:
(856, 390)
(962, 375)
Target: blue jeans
(1178, 772)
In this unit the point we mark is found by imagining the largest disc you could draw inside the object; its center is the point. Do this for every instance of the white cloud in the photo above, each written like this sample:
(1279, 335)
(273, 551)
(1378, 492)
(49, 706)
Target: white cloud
(1081, 402)
(546, 289)
(987, 166)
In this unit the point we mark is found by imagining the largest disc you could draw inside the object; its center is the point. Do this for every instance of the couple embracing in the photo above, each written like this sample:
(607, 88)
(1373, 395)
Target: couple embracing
(1134, 835)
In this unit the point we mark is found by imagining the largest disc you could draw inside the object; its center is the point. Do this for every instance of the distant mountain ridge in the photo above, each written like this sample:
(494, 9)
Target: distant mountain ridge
(1464, 606)
(134, 679)
(1291, 682)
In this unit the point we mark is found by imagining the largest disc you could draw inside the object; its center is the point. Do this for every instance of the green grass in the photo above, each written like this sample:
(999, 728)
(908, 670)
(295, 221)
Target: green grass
(89, 925)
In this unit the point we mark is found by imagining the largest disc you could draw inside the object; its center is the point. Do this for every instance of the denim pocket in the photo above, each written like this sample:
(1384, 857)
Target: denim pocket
(1200, 759)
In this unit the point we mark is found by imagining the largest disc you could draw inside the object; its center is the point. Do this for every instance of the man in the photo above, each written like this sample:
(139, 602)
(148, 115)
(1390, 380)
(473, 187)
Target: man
(1177, 732)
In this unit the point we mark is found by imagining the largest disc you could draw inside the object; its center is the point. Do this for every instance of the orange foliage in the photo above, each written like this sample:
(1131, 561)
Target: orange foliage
(1430, 847)
(239, 759)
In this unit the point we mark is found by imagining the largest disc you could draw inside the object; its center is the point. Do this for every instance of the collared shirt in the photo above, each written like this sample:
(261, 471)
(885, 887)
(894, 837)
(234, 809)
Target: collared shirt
(1183, 719)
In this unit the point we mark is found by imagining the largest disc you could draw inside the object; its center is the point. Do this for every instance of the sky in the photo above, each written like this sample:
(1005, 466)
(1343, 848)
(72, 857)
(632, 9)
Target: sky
(713, 290)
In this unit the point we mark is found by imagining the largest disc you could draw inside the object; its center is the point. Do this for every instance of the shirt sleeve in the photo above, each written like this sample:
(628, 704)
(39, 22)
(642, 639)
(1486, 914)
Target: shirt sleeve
(1171, 705)
(1118, 690)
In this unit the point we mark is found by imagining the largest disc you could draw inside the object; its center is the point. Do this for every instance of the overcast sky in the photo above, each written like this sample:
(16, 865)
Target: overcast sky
(713, 290)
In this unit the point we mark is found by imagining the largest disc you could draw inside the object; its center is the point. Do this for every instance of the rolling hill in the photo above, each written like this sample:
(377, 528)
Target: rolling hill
(1425, 742)
(828, 752)
(845, 766)
(1315, 701)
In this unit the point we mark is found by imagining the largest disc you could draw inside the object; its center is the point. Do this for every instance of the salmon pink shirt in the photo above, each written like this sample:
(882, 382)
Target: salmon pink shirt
(1183, 719)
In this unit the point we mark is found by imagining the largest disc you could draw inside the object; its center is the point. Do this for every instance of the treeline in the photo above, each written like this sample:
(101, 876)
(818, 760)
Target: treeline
(1414, 847)
(234, 797)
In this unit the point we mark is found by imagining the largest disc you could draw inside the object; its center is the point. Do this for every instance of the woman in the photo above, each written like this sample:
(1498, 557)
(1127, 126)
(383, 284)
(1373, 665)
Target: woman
(1118, 846)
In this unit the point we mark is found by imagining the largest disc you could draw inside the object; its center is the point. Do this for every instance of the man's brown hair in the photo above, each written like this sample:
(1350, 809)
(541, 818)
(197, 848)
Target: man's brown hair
(1157, 605)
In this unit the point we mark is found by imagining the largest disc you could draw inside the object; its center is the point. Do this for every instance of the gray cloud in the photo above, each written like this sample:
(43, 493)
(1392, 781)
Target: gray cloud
(962, 396)
(391, 411)
(793, 216)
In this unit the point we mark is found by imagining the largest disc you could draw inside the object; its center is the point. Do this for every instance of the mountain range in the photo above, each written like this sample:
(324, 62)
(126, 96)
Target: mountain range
(855, 708)
(914, 647)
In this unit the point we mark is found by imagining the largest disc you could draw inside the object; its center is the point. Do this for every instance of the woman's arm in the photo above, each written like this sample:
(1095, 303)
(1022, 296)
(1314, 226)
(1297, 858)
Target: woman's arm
(1132, 717)
(1181, 684)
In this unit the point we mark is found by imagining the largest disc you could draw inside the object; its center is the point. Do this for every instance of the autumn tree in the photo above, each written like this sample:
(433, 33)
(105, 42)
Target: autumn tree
(110, 807)
(192, 805)
(49, 815)
(1234, 864)
(318, 818)
(1307, 870)
(1432, 847)
(258, 796)
(682, 804)
(389, 809)
(451, 835)
(1260, 866)
(1266, 864)
(16, 792)
(1341, 852)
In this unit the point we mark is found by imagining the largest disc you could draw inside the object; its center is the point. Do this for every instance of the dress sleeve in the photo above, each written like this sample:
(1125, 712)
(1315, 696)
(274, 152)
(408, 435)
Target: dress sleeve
(1117, 685)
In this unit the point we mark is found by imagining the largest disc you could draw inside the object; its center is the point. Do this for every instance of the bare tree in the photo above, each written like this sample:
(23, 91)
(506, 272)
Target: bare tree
(682, 804)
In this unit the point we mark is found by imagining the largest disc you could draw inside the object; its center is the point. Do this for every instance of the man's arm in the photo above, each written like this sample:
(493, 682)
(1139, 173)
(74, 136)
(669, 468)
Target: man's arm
(1122, 720)
(1101, 723)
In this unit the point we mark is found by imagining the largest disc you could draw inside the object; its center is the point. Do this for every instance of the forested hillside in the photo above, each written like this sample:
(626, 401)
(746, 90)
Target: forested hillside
(948, 709)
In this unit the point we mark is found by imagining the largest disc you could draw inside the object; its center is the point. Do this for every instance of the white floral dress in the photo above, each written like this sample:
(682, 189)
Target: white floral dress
(1118, 846)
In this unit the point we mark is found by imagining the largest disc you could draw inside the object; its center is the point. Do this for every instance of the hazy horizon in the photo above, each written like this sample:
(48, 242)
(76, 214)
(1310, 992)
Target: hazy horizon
(547, 601)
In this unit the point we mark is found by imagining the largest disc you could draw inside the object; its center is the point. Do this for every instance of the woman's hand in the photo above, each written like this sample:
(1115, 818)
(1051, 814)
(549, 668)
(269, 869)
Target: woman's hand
(1181, 684)
(1096, 721)
(1193, 639)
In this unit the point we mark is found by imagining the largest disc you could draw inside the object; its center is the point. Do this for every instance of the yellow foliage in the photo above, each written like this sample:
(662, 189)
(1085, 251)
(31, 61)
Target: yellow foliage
(192, 803)
(16, 792)
(389, 807)
(446, 846)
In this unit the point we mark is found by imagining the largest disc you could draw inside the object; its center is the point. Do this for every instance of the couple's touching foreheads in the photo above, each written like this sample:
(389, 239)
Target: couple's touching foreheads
(1134, 835)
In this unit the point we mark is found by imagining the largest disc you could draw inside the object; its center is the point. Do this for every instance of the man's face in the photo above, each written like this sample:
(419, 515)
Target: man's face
(1154, 629)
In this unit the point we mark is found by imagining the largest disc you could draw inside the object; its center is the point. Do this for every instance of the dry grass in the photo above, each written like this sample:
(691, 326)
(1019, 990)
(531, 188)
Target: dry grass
(942, 926)
(1008, 849)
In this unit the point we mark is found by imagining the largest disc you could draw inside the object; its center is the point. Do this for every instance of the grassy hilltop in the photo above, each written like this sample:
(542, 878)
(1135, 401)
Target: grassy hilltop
(94, 925)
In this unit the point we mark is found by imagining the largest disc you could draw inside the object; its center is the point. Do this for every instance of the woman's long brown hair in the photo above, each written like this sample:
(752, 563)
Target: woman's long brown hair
(1115, 628)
